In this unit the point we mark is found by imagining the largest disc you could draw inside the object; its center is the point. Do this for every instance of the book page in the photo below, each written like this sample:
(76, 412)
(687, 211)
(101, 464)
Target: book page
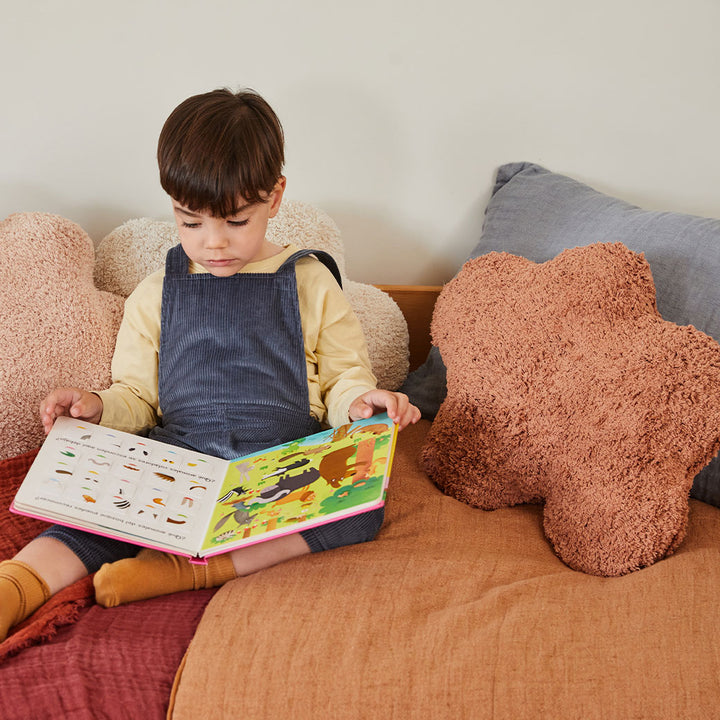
(114, 482)
(330, 475)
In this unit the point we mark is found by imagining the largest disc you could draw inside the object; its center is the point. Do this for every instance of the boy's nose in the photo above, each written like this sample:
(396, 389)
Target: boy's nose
(215, 238)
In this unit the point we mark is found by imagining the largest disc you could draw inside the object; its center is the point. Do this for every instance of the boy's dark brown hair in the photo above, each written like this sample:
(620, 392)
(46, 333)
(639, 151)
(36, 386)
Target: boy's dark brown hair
(219, 148)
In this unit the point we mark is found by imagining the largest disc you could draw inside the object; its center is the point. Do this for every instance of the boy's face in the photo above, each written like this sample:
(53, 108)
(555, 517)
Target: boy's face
(223, 246)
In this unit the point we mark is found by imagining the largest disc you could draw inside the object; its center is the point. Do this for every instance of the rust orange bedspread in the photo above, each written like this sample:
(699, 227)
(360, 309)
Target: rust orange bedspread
(454, 613)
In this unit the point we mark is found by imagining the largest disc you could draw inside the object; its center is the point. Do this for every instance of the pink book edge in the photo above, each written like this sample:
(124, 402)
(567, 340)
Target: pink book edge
(202, 559)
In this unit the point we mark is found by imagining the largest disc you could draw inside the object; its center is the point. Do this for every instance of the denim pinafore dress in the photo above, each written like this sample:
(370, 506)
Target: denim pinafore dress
(232, 375)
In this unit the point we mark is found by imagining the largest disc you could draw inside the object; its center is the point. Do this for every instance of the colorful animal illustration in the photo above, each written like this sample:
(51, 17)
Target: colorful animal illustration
(240, 515)
(377, 429)
(286, 484)
(288, 468)
(342, 432)
(335, 467)
(239, 490)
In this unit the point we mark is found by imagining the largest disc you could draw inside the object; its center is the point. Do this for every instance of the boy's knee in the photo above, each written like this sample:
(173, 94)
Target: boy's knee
(349, 531)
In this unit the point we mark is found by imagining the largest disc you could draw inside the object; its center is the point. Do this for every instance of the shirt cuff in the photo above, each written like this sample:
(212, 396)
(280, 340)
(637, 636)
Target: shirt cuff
(125, 411)
(337, 411)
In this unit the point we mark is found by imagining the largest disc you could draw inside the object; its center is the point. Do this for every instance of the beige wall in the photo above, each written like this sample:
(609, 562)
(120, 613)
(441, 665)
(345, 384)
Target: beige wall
(397, 112)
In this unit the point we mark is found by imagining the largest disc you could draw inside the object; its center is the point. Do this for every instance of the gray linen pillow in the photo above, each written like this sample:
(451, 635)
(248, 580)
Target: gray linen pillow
(537, 214)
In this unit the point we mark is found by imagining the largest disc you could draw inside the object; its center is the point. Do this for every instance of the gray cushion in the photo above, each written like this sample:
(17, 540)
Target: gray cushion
(537, 214)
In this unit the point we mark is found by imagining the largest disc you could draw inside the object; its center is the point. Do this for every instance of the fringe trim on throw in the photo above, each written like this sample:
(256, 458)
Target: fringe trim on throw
(62, 609)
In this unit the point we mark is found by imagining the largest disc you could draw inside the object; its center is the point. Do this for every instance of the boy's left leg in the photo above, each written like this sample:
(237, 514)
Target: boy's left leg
(154, 573)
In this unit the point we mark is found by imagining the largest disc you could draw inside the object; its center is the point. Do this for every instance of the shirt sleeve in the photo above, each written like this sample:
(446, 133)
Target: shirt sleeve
(339, 367)
(131, 402)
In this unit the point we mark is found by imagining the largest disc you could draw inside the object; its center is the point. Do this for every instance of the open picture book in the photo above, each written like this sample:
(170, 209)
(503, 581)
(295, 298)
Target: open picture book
(177, 500)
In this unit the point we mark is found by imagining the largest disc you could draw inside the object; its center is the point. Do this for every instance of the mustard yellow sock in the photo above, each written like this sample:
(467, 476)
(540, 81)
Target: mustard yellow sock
(154, 573)
(22, 592)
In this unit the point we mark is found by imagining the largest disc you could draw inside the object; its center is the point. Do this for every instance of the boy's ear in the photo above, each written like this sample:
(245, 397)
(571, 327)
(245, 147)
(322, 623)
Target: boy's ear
(276, 195)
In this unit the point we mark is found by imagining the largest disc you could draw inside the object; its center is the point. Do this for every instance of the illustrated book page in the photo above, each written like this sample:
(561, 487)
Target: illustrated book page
(170, 498)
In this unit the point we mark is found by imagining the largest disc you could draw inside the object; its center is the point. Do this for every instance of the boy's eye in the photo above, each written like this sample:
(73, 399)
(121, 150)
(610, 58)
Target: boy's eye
(238, 223)
(191, 225)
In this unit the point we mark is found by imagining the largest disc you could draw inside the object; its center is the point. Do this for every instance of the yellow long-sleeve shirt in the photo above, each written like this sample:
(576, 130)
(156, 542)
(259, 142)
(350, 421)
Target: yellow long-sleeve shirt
(338, 366)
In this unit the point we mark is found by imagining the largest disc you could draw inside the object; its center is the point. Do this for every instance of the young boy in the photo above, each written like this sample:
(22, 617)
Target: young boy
(238, 344)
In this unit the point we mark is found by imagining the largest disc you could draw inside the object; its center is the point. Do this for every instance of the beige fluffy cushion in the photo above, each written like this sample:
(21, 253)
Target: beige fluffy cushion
(566, 387)
(57, 327)
(137, 248)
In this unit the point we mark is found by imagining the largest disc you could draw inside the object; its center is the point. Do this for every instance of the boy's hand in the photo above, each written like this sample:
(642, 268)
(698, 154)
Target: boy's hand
(396, 404)
(72, 402)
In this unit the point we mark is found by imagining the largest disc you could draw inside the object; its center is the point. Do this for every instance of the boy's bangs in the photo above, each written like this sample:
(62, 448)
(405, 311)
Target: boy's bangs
(219, 191)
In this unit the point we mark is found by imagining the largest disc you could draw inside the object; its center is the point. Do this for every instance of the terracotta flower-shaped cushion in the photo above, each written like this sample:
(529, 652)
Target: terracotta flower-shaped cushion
(566, 387)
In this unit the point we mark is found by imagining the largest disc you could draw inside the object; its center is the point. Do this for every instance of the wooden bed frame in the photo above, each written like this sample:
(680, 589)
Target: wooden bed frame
(417, 303)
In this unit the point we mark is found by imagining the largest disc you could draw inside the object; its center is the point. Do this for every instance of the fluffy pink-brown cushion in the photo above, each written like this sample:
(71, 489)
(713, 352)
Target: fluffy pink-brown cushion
(57, 327)
(566, 387)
